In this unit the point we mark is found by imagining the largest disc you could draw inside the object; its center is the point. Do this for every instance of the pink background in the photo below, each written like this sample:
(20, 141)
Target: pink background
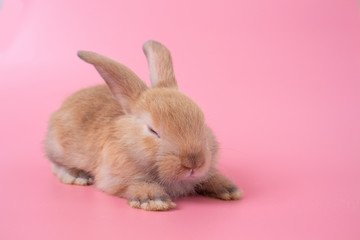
(279, 82)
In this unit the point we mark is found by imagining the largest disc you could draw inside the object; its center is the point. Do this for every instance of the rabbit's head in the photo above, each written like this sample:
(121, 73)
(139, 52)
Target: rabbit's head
(170, 126)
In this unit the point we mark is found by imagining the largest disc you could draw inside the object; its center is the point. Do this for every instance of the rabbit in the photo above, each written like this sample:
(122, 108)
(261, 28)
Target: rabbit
(148, 145)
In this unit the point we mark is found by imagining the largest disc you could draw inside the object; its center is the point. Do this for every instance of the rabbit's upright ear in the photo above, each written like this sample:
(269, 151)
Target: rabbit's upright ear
(160, 65)
(124, 84)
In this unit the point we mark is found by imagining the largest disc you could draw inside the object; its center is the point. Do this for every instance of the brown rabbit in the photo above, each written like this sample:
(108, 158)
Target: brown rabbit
(148, 145)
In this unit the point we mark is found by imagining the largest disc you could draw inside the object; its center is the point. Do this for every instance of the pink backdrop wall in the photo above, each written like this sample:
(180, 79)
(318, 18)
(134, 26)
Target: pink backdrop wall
(279, 82)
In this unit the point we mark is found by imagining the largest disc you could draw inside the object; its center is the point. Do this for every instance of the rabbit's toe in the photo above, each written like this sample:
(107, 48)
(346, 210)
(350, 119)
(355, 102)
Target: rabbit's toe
(232, 193)
(153, 205)
(148, 196)
(219, 186)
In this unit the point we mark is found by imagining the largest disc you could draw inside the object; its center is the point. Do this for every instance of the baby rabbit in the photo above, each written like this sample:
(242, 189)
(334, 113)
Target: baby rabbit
(148, 145)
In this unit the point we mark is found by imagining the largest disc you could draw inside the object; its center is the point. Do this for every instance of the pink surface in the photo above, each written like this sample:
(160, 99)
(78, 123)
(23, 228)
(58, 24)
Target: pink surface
(279, 82)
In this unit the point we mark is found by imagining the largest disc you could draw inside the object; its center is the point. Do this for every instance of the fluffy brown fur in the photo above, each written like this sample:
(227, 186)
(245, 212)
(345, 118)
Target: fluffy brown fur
(148, 145)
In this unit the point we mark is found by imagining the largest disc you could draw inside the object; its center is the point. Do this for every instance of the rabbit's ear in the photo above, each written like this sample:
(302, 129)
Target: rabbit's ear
(124, 84)
(160, 65)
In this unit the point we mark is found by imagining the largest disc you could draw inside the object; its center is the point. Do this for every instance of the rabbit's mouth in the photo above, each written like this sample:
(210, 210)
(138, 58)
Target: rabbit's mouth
(190, 173)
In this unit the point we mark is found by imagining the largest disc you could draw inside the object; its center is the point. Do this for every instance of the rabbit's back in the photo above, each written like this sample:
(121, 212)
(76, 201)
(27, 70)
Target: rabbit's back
(80, 127)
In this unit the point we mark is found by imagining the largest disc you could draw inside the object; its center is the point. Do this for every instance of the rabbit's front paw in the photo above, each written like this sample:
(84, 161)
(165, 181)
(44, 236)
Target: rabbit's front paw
(149, 196)
(219, 186)
(229, 193)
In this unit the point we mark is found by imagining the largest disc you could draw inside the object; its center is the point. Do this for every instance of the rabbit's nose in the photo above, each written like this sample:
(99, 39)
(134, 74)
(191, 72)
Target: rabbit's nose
(192, 161)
